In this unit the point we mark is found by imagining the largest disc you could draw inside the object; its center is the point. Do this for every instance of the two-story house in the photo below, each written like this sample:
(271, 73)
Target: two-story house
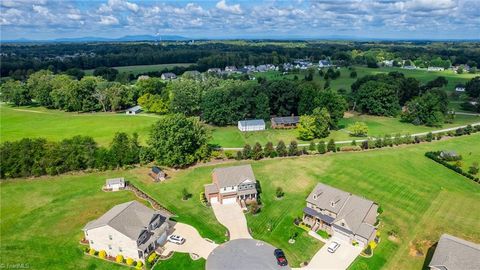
(231, 185)
(130, 229)
(344, 215)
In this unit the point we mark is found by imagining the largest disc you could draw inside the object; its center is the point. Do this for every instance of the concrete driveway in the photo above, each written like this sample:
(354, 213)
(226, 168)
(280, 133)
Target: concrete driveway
(194, 243)
(232, 217)
(340, 260)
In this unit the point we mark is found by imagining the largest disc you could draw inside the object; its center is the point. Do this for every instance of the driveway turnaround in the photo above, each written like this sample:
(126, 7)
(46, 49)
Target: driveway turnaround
(232, 217)
(194, 243)
(340, 260)
(243, 254)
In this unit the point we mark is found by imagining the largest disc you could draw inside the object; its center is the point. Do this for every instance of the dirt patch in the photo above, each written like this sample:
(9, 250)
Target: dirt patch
(393, 238)
(418, 248)
(348, 115)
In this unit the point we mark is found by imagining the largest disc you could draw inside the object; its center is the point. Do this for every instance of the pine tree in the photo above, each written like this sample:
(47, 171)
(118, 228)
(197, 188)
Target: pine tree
(293, 148)
(331, 146)
(321, 147)
(257, 151)
(281, 149)
(247, 151)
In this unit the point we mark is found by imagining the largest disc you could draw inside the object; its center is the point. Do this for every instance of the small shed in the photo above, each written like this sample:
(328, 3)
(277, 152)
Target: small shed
(168, 76)
(285, 122)
(251, 125)
(115, 184)
(157, 174)
(133, 110)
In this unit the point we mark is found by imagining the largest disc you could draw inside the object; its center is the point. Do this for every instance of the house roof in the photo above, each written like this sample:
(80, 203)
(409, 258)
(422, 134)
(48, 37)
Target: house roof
(130, 219)
(156, 169)
(454, 253)
(354, 213)
(254, 122)
(134, 108)
(115, 181)
(211, 188)
(288, 120)
(314, 213)
(232, 176)
(169, 75)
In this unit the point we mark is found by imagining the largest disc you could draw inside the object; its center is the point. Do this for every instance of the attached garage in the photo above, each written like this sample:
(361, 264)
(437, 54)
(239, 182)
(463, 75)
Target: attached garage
(341, 234)
(162, 238)
(229, 200)
(214, 199)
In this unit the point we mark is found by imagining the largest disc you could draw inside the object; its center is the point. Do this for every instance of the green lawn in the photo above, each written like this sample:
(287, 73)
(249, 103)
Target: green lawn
(43, 218)
(144, 68)
(22, 122)
(230, 136)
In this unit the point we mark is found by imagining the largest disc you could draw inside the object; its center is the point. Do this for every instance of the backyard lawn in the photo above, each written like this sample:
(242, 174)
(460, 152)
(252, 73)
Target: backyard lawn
(43, 218)
(144, 68)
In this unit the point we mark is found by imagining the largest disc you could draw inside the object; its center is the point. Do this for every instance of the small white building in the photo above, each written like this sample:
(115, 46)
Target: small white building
(134, 110)
(459, 89)
(435, 69)
(168, 76)
(251, 125)
(115, 184)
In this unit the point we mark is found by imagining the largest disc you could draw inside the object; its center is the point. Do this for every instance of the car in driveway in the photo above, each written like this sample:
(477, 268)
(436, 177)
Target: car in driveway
(176, 239)
(280, 256)
(333, 247)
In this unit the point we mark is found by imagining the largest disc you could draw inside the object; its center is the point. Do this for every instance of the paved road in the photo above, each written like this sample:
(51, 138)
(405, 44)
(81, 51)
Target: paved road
(361, 140)
(232, 217)
(194, 243)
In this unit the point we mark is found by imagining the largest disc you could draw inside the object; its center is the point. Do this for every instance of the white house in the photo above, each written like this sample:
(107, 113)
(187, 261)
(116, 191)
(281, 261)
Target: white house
(435, 69)
(324, 64)
(130, 229)
(134, 110)
(115, 184)
(251, 125)
(459, 89)
(168, 76)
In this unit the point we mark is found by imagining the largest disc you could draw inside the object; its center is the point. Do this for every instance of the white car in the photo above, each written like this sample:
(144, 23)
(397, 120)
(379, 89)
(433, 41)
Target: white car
(333, 247)
(176, 239)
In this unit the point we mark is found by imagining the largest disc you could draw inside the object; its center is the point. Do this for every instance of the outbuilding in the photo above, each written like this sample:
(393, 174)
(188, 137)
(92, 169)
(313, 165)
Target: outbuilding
(134, 110)
(115, 184)
(251, 125)
(285, 122)
(157, 174)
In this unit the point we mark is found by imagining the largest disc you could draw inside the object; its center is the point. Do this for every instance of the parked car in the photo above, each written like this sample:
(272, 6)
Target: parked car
(176, 239)
(333, 247)
(280, 256)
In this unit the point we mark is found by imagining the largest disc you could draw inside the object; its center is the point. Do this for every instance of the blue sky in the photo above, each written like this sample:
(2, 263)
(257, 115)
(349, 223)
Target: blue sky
(404, 19)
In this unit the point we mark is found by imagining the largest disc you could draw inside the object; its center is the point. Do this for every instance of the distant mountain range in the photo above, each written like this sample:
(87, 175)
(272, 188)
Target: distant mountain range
(102, 39)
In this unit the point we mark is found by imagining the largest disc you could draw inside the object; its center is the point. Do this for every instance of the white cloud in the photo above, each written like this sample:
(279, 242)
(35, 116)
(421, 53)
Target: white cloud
(41, 10)
(235, 9)
(108, 20)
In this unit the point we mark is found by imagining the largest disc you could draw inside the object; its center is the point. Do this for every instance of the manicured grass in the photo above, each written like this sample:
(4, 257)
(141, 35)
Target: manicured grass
(180, 261)
(23, 122)
(230, 136)
(420, 198)
(144, 68)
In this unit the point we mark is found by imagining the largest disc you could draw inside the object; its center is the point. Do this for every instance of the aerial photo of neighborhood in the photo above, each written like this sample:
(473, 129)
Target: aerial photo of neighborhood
(240, 135)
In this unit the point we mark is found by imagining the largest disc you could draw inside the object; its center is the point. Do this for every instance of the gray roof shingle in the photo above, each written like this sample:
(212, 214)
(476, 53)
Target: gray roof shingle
(454, 253)
(232, 176)
(128, 218)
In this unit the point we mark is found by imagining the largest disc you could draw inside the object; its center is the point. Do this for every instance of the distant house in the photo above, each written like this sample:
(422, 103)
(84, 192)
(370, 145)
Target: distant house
(449, 155)
(115, 184)
(168, 76)
(453, 253)
(387, 63)
(214, 70)
(409, 67)
(344, 215)
(133, 110)
(324, 64)
(230, 69)
(435, 69)
(157, 174)
(143, 77)
(231, 185)
(251, 125)
(262, 68)
(285, 122)
(130, 229)
(460, 88)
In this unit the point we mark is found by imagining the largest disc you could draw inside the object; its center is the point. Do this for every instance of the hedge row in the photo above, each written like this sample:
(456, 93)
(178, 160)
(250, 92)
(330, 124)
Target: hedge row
(435, 156)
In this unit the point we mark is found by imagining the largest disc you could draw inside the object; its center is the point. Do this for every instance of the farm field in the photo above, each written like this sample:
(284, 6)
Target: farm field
(43, 218)
(135, 70)
(22, 122)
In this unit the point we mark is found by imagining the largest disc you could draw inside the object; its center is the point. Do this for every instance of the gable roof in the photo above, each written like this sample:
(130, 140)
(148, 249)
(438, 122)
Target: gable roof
(327, 197)
(254, 122)
(134, 109)
(285, 120)
(156, 169)
(130, 219)
(115, 181)
(233, 176)
(454, 253)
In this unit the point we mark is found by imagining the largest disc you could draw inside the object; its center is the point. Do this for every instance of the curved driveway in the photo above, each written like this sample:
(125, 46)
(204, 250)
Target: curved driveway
(232, 217)
(194, 243)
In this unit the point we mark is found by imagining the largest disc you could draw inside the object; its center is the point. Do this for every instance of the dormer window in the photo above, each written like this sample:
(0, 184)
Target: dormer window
(314, 196)
(332, 204)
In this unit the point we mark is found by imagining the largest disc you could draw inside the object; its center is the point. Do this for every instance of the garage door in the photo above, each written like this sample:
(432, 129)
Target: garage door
(214, 200)
(341, 235)
(229, 200)
(162, 238)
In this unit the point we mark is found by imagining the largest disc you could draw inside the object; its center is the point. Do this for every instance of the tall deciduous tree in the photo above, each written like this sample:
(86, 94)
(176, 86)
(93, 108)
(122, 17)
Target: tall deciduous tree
(377, 98)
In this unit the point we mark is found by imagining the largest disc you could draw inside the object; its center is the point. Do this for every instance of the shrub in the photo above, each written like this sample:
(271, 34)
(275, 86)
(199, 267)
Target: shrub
(279, 192)
(358, 129)
(321, 147)
(139, 265)
(312, 146)
(368, 250)
(151, 258)
(239, 155)
(323, 234)
(331, 146)
(253, 207)
(185, 194)
(85, 249)
(102, 254)
(130, 261)
(119, 259)
(203, 199)
(474, 168)
(229, 154)
(92, 251)
(350, 148)
(429, 137)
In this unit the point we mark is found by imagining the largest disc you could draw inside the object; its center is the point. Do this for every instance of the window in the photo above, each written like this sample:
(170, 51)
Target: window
(110, 237)
(91, 242)
(110, 247)
(120, 249)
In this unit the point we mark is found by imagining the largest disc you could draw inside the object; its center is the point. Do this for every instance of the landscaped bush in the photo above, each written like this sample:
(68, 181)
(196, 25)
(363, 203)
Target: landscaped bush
(151, 258)
(279, 192)
(92, 251)
(102, 254)
(119, 259)
(203, 199)
(139, 265)
(323, 234)
(253, 207)
(130, 261)
(304, 226)
(350, 148)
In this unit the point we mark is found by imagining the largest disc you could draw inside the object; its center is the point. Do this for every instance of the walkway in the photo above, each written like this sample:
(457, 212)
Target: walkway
(232, 217)
(194, 243)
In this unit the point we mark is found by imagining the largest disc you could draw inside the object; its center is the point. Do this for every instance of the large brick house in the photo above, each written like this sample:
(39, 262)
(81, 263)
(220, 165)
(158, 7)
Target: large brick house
(231, 185)
(342, 214)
